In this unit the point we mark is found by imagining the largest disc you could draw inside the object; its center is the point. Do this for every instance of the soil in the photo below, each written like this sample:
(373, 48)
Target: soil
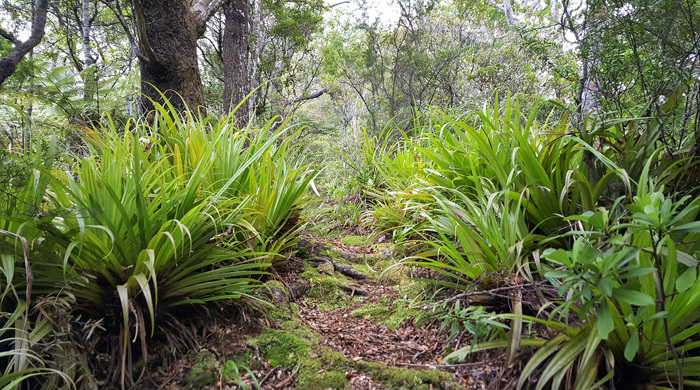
(374, 334)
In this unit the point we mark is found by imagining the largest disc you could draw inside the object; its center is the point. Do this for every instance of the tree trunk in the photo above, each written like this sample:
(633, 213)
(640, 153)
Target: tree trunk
(88, 74)
(235, 51)
(254, 57)
(168, 32)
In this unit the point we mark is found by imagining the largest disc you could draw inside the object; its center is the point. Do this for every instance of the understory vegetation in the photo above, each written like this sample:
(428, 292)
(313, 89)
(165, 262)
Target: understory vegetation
(102, 253)
(456, 194)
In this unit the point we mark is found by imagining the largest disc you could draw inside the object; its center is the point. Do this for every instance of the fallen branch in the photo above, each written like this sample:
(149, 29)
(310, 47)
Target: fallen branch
(489, 292)
(256, 348)
(353, 290)
(342, 268)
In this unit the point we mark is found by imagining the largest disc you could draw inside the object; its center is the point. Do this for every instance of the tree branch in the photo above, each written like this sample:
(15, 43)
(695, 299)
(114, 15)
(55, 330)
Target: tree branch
(307, 96)
(9, 36)
(130, 37)
(202, 11)
(9, 63)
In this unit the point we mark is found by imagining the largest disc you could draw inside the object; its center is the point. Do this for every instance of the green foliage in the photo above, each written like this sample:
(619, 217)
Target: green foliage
(631, 280)
(474, 319)
(132, 235)
(457, 184)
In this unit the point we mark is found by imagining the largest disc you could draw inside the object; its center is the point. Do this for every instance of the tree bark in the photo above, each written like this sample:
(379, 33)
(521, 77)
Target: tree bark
(169, 32)
(254, 57)
(9, 63)
(235, 53)
(88, 74)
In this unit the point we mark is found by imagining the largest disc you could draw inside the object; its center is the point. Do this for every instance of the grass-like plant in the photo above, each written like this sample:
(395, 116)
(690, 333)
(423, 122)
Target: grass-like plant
(632, 286)
(156, 217)
(475, 237)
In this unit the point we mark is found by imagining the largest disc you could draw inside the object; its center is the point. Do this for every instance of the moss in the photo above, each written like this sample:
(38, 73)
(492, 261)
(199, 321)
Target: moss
(327, 371)
(283, 348)
(327, 289)
(356, 240)
(204, 372)
(383, 246)
(321, 369)
(277, 291)
(334, 233)
(394, 314)
(414, 288)
(411, 379)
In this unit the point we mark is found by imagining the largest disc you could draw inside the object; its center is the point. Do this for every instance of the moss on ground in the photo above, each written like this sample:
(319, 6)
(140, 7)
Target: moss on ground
(356, 240)
(319, 367)
(393, 314)
(415, 288)
(204, 372)
(325, 370)
(399, 378)
(327, 289)
(283, 348)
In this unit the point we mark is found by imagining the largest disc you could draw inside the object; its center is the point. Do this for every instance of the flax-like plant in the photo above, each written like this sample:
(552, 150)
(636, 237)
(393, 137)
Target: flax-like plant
(632, 283)
(235, 162)
(475, 236)
(137, 242)
(29, 336)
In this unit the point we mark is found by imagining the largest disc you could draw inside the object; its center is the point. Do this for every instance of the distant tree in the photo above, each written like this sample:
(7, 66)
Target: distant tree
(641, 53)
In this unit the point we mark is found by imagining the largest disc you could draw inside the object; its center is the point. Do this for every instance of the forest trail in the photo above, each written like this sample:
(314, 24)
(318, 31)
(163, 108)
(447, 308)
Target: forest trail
(345, 316)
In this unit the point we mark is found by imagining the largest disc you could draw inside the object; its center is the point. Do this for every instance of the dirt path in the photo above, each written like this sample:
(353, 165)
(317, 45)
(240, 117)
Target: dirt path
(339, 323)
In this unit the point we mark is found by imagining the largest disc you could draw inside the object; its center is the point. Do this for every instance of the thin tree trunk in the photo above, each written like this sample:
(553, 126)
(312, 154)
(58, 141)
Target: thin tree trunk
(255, 57)
(88, 75)
(235, 53)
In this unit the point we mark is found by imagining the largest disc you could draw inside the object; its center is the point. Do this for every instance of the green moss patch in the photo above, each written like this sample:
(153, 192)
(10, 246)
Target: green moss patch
(283, 348)
(393, 314)
(327, 289)
(204, 372)
(356, 240)
(410, 379)
(320, 367)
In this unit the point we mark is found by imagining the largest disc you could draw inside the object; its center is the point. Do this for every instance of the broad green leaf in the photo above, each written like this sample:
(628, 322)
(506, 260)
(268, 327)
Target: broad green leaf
(605, 323)
(632, 345)
(686, 279)
(633, 297)
(606, 286)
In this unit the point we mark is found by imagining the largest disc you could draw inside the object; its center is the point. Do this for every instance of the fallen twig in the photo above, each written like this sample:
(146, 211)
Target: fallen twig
(256, 348)
(492, 291)
(289, 378)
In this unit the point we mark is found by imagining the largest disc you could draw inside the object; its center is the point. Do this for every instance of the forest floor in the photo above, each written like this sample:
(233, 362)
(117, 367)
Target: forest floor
(345, 315)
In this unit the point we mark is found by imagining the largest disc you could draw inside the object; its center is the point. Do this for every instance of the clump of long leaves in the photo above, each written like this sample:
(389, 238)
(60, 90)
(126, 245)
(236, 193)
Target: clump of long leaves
(493, 188)
(30, 336)
(158, 217)
(233, 162)
(631, 282)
